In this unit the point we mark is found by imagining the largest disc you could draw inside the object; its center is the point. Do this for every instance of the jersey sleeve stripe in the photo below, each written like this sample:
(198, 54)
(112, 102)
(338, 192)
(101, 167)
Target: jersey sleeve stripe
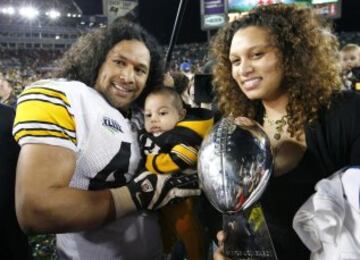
(181, 157)
(48, 140)
(160, 163)
(186, 153)
(201, 127)
(43, 113)
(19, 129)
(44, 101)
(34, 110)
(43, 133)
(45, 98)
(46, 92)
(182, 163)
(43, 125)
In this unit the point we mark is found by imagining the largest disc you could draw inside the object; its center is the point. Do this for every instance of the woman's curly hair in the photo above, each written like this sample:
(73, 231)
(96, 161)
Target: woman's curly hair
(85, 57)
(309, 53)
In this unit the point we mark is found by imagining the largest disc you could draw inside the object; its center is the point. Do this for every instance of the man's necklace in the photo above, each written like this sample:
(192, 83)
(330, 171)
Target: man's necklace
(278, 124)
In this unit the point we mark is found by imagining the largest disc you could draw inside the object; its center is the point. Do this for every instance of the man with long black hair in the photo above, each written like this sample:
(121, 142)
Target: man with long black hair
(79, 150)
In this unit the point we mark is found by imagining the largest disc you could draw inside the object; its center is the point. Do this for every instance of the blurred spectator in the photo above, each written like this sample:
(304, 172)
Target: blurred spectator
(350, 65)
(186, 69)
(208, 67)
(188, 94)
(181, 82)
(348, 37)
(7, 95)
(193, 53)
(206, 93)
(168, 80)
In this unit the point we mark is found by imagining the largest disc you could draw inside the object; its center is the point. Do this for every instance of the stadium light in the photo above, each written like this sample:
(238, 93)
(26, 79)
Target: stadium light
(8, 10)
(53, 14)
(29, 12)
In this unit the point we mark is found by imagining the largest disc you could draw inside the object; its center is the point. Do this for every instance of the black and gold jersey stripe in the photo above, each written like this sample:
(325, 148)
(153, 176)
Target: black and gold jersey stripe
(52, 93)
(181, 157)
(44, 112)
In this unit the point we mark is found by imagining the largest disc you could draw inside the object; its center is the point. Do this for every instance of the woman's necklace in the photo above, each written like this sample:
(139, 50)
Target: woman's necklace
(278, 124)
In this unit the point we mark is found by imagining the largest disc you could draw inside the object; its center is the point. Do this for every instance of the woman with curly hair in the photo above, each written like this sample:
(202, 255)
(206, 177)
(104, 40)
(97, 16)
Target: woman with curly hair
(279, 65)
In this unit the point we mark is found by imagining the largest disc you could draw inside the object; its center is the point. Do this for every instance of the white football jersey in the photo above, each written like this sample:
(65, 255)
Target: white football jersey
(73, 115)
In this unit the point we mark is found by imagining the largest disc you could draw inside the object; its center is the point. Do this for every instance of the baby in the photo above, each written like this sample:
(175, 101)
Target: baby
(171, 141)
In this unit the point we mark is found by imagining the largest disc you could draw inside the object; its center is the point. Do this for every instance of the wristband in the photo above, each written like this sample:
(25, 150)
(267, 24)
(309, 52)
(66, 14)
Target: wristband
(123, 202)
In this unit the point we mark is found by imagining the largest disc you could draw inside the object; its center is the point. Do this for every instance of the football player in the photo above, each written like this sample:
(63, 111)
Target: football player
(79, 150)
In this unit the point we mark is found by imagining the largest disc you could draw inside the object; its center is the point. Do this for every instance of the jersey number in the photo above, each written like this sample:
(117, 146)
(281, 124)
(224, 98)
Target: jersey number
(119, 166)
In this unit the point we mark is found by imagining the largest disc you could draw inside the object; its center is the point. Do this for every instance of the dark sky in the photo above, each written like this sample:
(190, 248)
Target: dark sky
(90, 7)
(349, 20)
(158, 17)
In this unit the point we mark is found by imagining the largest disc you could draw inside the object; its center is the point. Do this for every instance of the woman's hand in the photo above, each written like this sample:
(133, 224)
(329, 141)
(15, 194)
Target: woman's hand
(245, 121)
(219, 252)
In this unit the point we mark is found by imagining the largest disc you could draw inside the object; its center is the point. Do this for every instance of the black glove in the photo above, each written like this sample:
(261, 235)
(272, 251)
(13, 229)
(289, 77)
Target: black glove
(153, 191)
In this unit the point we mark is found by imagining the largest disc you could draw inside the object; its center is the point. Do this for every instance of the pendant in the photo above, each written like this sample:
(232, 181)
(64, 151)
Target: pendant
(277, 136)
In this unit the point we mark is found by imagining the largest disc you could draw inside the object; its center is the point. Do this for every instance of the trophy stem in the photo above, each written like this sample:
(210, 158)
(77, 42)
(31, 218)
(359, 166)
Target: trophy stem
(247, 235)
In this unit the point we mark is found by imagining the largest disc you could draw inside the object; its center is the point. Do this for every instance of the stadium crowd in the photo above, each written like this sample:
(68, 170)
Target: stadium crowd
(21, 67)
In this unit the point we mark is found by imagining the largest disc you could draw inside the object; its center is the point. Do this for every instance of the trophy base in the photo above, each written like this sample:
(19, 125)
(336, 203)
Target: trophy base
(247, 236)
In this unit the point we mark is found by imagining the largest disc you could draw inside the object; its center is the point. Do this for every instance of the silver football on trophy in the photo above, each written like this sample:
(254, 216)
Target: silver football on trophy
(235, 164)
